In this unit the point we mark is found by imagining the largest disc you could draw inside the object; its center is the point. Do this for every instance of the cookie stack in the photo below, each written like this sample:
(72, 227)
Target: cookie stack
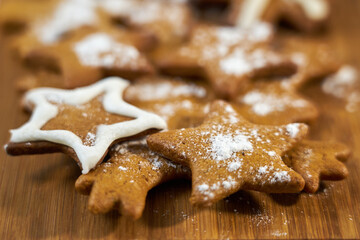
(142, 92)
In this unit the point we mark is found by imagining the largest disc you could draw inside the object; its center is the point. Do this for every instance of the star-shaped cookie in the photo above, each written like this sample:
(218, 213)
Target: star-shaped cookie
(316, 160)
(89, 55)
(181, 103)
(82, 123)
(304, 15)
(227, 57)
(125, 179)
(272, 102)
(227, 153)
(168, 21)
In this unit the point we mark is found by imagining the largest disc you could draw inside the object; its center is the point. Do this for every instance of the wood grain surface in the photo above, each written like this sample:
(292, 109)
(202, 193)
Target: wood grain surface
(38, 199)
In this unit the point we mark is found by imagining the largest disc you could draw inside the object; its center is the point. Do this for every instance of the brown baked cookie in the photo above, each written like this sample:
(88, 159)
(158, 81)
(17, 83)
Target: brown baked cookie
(227, 57)
(315, 59)
(345, 85)
(16, 16)
(181, 103)
(227, 153)
(82, 123)
(168, 21)
(315, 161)
(272, 102)
(303, 15)
(245, 13)
(89, 55)
(125, 179)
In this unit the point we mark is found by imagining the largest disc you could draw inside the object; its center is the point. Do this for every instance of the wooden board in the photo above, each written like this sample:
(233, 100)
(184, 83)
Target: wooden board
(38, 199)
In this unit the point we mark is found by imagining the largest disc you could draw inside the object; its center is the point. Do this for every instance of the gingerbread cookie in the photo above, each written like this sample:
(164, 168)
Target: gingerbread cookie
(232, 154)
(13, 18)
(245, 13)
(125, 179)
(228, 57)
(89, 55)
(82, 123)
(304, 15)
(168, 21)
(52, 21)
(314, 58)
(345, 85)
(316, 161)
(272, 102)
(181, 103)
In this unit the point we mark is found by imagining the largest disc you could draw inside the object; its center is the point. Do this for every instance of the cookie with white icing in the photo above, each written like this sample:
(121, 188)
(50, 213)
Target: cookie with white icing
(124, 180)
(227, 153)
(227, 57)
(271, 101)
(82, 123)
(181, 103)
(90, 55)
(304, 15)
(316, 161)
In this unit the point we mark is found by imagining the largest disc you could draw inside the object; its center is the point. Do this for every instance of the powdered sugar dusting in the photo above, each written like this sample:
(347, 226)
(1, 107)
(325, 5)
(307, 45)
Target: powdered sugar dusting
(345, 84)
(293, 129)
(225, 146)
(243, 61)
(101, 50)
(267, 102)
(90, 139)
(69, 15)
(164, 90)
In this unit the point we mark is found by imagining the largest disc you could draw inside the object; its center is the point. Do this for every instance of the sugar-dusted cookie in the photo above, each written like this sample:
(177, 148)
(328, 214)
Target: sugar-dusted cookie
(272, 102)
(167, 20)
(345, 85)
(13, 18)
(314, 58)
(82, 123)
(304, 15)
(316, 160)
(227, 153)
(228, 57)
(125, 179)
(51, 21)
(89, 55)
(181, 103)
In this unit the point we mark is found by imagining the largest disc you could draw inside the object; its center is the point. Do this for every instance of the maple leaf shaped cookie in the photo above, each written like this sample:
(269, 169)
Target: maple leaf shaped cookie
(168, 21)
(181, 103)
(89, 55)
(82, 123)
(304, 15)
(315, 161)
(226, 153)
(227, 57)
(272, 102)
(124, 180)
